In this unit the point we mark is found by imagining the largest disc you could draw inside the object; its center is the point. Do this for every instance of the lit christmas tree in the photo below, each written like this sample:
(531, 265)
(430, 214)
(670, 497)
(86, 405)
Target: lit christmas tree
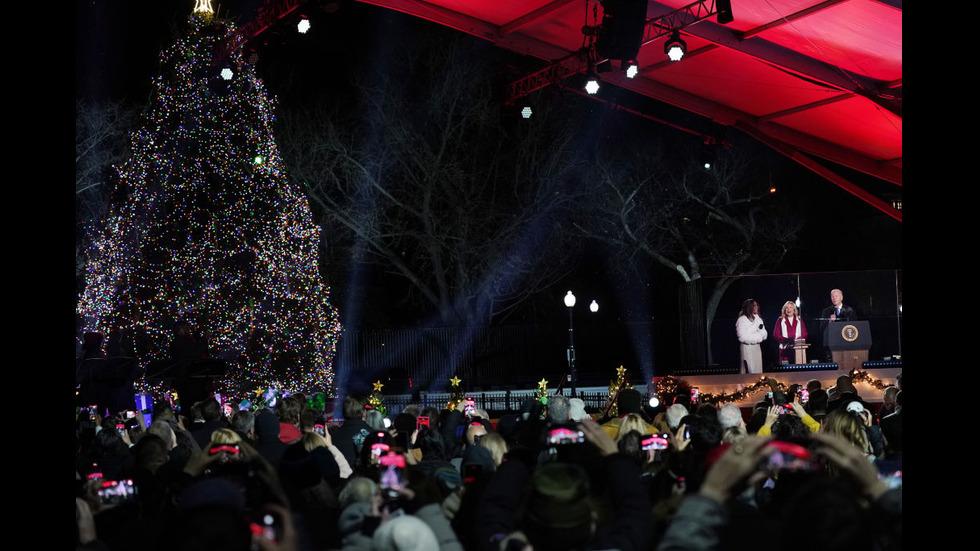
(617, 385)
(542, 392)
(455, 393)
(376, 399)
(207, 229)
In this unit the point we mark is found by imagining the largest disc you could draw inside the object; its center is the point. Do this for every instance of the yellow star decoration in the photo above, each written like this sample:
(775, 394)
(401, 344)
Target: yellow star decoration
(258, 392)
(542, 384)
(455, 381)
(203, 6)
(620, 371)
(378, 385)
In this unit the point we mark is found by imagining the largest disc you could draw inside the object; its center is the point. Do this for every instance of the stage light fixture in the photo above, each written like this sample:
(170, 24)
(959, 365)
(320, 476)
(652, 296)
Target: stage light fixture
(303, 26)
(675, 48)
(724, 11)
(654, 402)
(227, 74)
(592, 85)
(621, 33)
(632, 68)
(526, 112)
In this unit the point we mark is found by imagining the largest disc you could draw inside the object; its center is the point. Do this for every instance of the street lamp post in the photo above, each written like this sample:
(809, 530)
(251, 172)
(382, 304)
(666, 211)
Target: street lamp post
(570, 303)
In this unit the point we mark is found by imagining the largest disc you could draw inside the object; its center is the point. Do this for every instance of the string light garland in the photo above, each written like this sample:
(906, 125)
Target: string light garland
(207, 229)
(865, 377)
(671, 386)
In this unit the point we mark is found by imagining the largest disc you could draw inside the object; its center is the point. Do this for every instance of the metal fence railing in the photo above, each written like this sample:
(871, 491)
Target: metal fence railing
(496, 402)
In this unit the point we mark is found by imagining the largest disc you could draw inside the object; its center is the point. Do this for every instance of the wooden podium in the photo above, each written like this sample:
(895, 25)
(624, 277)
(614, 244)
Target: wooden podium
(799, 348)
(799, 353)
(849, 342)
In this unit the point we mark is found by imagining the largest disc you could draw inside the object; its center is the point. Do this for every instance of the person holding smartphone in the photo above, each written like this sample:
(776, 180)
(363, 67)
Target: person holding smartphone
(851, 494)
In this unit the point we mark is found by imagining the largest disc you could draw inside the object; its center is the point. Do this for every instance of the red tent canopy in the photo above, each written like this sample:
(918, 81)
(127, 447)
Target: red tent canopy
(814, 80)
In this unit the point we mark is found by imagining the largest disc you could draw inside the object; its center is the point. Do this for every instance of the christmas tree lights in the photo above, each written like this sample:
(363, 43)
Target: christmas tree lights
(207, 229)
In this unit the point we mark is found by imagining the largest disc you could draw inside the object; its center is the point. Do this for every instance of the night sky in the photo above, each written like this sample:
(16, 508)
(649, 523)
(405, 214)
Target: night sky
(117, 43)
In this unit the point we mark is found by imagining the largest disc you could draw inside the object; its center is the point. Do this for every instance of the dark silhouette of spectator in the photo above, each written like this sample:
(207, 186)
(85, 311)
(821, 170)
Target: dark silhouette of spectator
(349, 438)
(267, 442)
(846, 393)
(214, 419)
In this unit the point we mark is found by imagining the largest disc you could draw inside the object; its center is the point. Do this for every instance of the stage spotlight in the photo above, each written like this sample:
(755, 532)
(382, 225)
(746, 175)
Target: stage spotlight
(707, 166)
(594, 307)
(526, 112)
(772, 189)
(592, 85)
(303, 26)
(227, 74)
(675, 48)
(654, 402)
(632, 68)
(724, 11)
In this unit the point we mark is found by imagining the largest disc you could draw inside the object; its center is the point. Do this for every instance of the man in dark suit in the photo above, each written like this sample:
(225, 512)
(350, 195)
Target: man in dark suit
(838, 310)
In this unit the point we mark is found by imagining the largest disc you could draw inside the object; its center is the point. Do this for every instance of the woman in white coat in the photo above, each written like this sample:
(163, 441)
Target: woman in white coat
(751, 331)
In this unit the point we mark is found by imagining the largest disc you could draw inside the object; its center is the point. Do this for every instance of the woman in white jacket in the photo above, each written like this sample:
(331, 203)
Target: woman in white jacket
(751, 331)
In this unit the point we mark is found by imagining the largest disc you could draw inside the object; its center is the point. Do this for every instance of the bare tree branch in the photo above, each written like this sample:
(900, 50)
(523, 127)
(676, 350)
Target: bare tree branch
(465, 208)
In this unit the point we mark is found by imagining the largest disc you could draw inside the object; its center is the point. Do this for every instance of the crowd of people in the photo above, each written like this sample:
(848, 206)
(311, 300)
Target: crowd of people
(808, 468)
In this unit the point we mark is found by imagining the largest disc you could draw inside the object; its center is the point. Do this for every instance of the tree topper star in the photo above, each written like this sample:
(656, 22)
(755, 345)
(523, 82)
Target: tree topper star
(203, 6)
(455, 381)
(620, 370)
(542, 384)
(378, 385)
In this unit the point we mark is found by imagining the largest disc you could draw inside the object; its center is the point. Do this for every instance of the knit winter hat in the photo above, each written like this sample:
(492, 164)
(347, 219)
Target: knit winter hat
(404, 533)
(559, 514)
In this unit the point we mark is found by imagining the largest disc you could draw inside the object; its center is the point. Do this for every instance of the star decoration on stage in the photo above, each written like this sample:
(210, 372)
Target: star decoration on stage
(620, 371)
(455, 381)
(542, 384)
(378, 385)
